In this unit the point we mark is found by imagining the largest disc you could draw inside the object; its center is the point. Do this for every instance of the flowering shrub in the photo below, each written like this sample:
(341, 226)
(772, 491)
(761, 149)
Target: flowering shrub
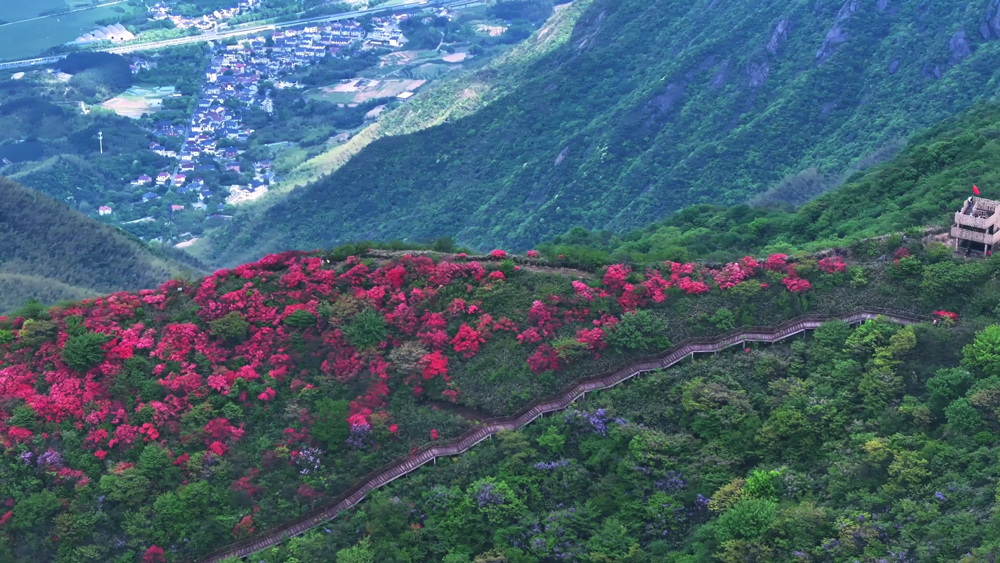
(946, 316)
(796, 284)
(467, 341)
(832, 265)
(776, 262)
(153, 555)
(236, 374)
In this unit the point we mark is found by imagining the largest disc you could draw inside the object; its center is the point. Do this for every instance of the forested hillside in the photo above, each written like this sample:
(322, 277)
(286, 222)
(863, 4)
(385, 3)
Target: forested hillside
(650, 107)
(441, 102)
(775, 454)
(922, 186)
(51, 253)
(162, 424)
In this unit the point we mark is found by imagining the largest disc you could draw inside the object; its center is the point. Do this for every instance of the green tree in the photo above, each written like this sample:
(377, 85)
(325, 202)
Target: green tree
(301, 319)
(983, 354)
(963, 417)
(947, 385)
(36, 333)
(366, 330)
(496, 500)
(129, 487)
(155, 464)
(331, 425)
(750, 518)
(232, 327)
(761, 483)
(612, 542)
(360, 553)
(724, 320)
(35, 510)
(881, 384)
(84, 351)
(638, 331)
(552, 439)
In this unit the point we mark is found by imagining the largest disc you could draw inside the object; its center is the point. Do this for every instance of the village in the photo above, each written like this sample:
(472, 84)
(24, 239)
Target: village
(209, 144)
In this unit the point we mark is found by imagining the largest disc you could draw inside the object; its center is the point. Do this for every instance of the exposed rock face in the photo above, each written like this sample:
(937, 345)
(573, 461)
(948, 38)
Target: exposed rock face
(994, 22)
(588, 39)
(837, 33)
(673, 93)
(757, 73)
(721, 76)
(779, 36)
(882, 5)
(562, 156)
(959, 46)
(894, 66)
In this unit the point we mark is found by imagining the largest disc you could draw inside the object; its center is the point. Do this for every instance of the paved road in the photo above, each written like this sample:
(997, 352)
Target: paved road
(219, 35)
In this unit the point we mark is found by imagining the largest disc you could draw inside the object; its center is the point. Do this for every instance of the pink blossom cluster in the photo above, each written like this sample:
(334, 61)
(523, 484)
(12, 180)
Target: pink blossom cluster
(436, 305)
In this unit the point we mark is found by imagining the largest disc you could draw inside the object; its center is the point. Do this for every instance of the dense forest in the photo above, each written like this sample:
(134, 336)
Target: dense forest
(648, 109)
(922, 186)
(52, 253)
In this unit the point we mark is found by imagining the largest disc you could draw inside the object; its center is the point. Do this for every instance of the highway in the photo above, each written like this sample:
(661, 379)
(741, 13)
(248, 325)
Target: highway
(239, 32)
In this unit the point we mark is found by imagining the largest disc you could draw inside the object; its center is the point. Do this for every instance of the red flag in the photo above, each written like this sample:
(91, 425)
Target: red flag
(975, 190)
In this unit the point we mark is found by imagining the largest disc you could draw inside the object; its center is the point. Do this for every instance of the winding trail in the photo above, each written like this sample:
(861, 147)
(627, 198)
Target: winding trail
(576, 390)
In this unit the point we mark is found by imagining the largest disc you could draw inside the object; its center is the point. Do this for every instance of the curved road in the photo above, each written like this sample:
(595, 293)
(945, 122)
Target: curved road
(220, 35)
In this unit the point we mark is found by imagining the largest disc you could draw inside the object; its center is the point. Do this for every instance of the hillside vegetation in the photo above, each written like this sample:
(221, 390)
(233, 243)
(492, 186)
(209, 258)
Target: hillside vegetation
(785, 453)
(922, 186)
(162, 424)
(51, 253)
(648, 108)
(440, 102)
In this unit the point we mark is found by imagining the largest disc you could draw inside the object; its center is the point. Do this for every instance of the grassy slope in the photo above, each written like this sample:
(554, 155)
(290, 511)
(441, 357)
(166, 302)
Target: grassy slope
(440, 102)
(654, 108)
(72, 256)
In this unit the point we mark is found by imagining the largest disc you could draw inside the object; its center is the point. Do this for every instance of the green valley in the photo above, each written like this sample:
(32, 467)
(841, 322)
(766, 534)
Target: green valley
(647, 109)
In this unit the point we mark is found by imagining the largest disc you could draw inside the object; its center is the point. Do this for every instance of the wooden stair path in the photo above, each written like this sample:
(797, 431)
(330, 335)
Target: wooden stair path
(399, 468)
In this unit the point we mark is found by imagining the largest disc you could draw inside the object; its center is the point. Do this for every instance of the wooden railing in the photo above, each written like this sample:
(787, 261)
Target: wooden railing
(535, 409)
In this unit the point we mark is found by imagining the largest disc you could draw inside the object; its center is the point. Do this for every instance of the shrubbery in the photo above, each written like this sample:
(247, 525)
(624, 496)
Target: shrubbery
(84, 351)
(639, 331)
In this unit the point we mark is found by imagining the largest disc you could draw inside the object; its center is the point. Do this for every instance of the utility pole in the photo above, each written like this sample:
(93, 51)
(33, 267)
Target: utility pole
(100, 139)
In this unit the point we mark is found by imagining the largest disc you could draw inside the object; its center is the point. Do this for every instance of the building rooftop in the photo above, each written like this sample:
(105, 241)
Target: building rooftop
(979, 207)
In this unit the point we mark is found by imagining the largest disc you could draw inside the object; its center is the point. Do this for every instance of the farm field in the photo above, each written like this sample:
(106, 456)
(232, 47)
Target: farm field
(137, 101)
(362, 90)
(30, 38)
